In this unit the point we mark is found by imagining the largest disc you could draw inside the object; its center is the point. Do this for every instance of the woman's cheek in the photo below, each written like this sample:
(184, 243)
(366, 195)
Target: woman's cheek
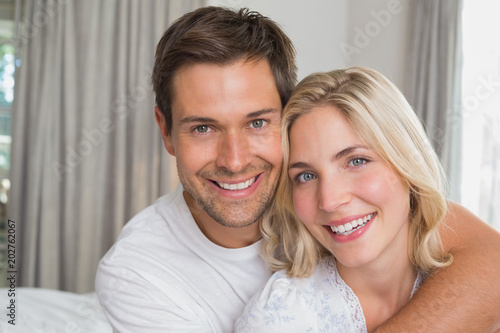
(380, 186)
(303, 205)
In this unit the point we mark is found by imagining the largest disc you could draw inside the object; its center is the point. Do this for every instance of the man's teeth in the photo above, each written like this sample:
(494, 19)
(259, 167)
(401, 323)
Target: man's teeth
(238, 186)
(350, 227)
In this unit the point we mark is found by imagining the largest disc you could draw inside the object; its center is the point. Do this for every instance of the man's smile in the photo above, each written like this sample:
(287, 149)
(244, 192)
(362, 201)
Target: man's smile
(236, 186)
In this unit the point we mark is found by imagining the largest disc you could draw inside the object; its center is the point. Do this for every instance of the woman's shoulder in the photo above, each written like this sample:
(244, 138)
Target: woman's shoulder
(292, 304)
(279, 306)
(283, 287)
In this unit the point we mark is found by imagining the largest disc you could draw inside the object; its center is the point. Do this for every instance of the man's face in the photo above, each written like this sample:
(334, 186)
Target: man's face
(226, 139)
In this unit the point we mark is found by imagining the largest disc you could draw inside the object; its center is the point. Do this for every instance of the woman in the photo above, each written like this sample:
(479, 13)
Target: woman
(353, 230)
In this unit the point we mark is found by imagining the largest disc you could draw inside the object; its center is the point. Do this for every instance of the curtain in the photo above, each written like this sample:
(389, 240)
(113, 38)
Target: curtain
(86, 151)
(434, 80)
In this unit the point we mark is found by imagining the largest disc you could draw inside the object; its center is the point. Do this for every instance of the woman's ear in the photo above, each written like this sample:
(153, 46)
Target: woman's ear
(167, 138)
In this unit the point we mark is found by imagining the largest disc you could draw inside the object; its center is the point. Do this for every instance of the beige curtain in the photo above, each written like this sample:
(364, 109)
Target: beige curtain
(87, 154)
(434, 79)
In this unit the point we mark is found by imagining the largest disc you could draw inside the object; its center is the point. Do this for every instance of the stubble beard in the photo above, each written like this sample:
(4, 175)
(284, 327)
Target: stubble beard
(237, 214)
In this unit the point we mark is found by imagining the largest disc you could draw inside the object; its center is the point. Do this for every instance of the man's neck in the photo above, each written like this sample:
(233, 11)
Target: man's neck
(228, 237)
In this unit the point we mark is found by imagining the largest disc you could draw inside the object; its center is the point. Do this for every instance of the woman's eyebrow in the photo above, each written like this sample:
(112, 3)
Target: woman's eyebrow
(348, 151)
(298, 165)
(336, 157)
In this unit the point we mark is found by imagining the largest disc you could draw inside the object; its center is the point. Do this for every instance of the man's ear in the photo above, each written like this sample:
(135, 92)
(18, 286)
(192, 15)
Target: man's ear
(167, 138)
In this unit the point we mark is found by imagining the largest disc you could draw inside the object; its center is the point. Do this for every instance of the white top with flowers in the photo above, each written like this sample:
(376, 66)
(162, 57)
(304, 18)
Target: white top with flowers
(322, 303)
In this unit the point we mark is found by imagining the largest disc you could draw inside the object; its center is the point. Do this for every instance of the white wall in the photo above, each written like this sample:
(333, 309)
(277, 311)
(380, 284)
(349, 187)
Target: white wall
(320, 29)
(378, 31)
(316, 28)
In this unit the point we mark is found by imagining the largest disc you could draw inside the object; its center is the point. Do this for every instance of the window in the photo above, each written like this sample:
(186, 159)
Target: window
(481, 109)
(7, 68)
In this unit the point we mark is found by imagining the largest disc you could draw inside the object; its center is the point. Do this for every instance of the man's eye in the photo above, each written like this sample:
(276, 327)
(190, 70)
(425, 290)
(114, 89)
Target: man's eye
(202, 129)
(305, 177)
(258, 123)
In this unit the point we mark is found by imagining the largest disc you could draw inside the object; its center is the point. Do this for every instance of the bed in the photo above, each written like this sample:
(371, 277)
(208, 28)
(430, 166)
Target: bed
(44, 310)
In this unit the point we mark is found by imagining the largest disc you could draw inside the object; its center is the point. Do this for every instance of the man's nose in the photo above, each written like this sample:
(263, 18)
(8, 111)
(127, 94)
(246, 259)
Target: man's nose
(234, 152)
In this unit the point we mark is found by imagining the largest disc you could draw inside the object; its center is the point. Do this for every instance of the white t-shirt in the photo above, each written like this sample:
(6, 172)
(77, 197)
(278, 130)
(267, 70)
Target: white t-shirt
(164, 275)
(322, 303)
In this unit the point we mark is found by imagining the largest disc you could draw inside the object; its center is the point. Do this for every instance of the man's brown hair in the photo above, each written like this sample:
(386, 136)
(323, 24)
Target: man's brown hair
(221, 36)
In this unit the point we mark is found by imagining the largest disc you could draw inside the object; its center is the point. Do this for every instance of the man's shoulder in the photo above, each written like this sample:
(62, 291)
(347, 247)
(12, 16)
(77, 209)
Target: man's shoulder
(146, 240)
(168, 209)
(156, 228)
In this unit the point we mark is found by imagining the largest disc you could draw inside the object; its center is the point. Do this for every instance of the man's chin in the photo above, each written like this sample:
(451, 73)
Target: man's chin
(239, 213)
(235, 219)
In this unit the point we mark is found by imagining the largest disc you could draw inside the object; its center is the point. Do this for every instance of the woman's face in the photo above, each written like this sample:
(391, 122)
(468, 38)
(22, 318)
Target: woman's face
(350, 200)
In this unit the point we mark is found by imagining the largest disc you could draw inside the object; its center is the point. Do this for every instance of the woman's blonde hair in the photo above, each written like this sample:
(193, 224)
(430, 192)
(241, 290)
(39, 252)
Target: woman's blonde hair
(381, 116)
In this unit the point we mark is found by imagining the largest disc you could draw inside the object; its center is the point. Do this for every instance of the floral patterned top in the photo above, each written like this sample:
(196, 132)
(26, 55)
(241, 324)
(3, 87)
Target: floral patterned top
(320, 303)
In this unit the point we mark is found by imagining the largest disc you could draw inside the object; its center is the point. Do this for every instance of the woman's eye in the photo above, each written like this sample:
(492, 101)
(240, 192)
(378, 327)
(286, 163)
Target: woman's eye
(305, 177)
(357, 162)
(258, 123)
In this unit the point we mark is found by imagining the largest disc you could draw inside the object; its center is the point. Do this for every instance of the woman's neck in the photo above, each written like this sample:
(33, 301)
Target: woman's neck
(383, 287)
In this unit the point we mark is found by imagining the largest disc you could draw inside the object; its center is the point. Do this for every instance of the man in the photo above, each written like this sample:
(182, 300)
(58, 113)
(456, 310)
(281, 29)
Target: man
(190, 262)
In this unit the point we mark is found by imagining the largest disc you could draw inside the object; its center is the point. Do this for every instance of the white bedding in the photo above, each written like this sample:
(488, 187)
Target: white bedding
(47, 311)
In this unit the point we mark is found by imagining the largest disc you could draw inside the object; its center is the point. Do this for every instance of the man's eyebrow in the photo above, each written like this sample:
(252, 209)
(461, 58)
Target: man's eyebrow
(197, 119)
(251, 115)
(338, 156)
(262, 112)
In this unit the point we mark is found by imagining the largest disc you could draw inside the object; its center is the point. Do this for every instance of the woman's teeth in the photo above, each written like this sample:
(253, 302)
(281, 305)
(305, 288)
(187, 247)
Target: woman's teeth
(350, 227)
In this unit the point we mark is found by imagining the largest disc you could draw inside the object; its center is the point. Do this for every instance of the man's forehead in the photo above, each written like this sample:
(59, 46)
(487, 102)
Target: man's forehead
(239, 90)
